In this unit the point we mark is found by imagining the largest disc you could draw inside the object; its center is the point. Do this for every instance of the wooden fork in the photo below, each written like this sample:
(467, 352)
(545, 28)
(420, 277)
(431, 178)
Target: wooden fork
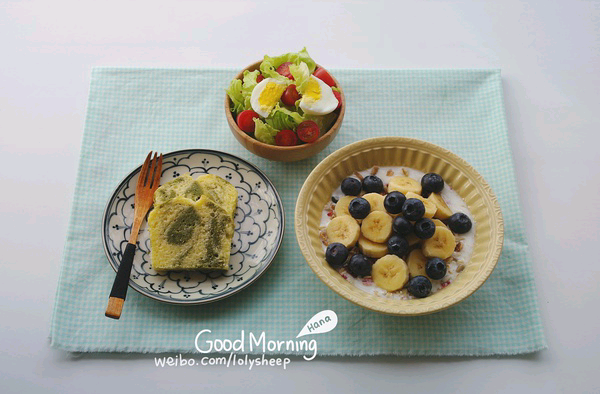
(148, 182)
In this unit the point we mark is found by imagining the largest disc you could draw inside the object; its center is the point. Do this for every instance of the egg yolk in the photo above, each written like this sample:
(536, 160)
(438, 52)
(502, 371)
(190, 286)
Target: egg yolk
(270, 95)
(313, 91)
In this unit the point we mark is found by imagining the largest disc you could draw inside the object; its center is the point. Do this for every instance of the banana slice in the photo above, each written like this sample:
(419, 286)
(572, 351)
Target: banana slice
(372, 249)
(430, 207)
(412, 239)
(343, 229)
(341, 207)
(416, 263)
(390, 273)
(404, 184)
(443, 211)
(441, 245)
(376, 201)
(377, 226)
(438, 223)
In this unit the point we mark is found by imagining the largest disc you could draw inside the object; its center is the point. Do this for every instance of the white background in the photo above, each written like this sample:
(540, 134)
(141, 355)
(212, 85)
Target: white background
(549, 55)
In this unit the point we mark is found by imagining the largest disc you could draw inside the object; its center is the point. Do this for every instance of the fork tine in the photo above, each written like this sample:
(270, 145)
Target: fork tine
(157, 173)
(152, 172)
(150, 175)
(144, 171)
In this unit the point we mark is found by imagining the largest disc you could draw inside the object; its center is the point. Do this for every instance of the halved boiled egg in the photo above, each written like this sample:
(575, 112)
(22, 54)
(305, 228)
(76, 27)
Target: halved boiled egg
(318, 98)
(266, 95)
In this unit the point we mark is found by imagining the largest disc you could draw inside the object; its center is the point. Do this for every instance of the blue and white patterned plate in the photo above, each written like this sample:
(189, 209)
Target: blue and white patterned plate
(259, 226)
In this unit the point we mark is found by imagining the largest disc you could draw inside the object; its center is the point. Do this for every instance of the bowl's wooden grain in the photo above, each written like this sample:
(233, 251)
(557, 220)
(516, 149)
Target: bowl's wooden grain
(283, 153)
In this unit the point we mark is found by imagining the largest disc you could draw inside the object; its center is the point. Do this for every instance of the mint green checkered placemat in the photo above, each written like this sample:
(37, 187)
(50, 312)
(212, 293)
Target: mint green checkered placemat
(133, 111)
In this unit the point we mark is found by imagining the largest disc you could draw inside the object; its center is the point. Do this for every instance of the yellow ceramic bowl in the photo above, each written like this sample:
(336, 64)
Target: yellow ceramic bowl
(423, 156)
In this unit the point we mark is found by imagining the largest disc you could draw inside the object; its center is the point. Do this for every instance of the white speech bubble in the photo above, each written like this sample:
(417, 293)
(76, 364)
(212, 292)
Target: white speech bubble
(320, 323)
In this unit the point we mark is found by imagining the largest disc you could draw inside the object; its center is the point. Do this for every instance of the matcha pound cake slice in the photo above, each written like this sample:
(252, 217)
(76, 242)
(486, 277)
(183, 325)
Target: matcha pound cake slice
(219, 190)
(183, 185)
(216, 188)
(190, 235)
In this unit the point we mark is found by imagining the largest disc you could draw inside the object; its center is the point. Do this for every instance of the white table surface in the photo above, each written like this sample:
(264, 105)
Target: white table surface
(549, 55)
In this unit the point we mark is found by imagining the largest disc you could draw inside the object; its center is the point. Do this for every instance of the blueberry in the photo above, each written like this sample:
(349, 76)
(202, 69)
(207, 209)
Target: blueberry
(372, 184)
(413, 209)
(393, 202)
(424, 228)
(401, 226)
(460, 223)
(432, 182)
(336, 254)
(351, 186)
(359, 265)
(435, 268)
(397, 245)
(359, 208)
(419, 286)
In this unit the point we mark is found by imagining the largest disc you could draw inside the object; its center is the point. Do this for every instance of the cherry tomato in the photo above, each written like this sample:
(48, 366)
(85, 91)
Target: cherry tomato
(290, 95)
(286, 138)
(284, 70)
(338, 96)
(308, 131)
(245, 120)
(324, 76)
(259, 78)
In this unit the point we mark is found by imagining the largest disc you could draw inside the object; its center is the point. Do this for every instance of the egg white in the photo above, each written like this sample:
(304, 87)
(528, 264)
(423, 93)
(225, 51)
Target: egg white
(326, 104)
(258, 90)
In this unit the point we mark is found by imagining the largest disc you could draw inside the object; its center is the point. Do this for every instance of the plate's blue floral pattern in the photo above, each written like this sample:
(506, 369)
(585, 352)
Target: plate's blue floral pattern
(259, 226)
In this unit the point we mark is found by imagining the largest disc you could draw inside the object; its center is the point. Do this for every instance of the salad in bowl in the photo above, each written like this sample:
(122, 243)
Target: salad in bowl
(286, 101)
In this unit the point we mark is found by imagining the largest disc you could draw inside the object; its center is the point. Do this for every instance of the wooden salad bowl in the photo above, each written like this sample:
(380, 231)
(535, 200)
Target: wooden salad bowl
(283, 153)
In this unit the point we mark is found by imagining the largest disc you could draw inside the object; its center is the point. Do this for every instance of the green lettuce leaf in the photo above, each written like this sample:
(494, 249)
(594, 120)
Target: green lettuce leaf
(249, 80)
(298, 118)
(303, 56)
(280, 121)
(269, 64)
(267, 68)
(283, 119)
(240, 90)
(301, 75)
(263, 132)
(235, 94)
